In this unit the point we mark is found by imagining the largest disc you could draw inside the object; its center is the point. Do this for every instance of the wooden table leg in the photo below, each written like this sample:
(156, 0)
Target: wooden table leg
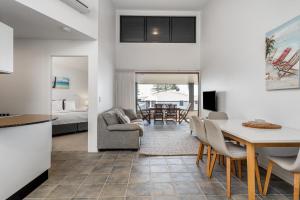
(251, 171)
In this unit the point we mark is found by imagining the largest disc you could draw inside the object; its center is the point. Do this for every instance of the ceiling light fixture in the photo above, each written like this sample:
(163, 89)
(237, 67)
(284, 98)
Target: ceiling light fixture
(155, 31)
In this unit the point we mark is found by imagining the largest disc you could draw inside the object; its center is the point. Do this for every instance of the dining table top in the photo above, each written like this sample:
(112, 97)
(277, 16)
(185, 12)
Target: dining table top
(235, 128)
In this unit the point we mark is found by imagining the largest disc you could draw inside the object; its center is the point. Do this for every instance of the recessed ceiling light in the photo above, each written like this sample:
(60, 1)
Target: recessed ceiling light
(66, 29)
(155, 31)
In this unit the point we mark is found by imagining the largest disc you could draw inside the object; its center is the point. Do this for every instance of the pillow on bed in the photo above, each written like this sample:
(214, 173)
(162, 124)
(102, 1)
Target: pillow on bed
(70, 105)
(110, 118)
(57, 106)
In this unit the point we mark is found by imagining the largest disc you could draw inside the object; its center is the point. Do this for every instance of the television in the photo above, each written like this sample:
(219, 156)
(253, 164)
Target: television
(210, 100)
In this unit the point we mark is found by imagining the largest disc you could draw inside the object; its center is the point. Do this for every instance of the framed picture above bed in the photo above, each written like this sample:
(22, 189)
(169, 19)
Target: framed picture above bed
(60, 82)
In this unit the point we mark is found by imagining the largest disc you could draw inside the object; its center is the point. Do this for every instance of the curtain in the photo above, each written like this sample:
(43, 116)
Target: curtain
(125, 89)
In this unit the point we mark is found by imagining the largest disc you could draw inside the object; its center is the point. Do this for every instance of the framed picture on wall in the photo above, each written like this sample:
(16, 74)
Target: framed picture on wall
(283, 55)
(60, 82)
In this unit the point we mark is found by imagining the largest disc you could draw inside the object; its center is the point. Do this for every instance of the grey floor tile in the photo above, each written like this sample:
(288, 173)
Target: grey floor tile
(96, 179)
(42, 191)
(212, 188)
(182, 177)
(182, 188)
(89, 191)
(192, 197)
(162, 189)
(139, 198)
(139, 189)
(118, 178)
(114, 190)
(139, 178)
(161, 177)
(63, 191)
(73, 180)
(165, 198)
(159, 168)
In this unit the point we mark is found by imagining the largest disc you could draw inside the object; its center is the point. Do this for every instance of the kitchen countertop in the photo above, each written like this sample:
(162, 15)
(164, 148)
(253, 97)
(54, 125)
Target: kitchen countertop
(22, 120)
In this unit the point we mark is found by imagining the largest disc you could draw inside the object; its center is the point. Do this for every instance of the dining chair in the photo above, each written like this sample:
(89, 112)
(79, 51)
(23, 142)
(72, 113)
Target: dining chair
(291, 164)
(201, 134)
(231, 151)
(217, 116)
(220, 116)
(171, 112)
(158, 112)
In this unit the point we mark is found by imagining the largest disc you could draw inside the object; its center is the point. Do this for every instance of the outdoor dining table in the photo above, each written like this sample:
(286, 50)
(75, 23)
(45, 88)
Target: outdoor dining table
(253, 138)
(164, 108)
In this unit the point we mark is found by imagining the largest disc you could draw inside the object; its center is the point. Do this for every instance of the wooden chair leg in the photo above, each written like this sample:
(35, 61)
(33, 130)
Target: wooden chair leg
(212, 165)
(296, 185)
(219, 159)
(200, 152)
(268, 176)
(258, 179)
(228, 177)
(233, 167)
(223, 160)
(208, 159)
(239, 169)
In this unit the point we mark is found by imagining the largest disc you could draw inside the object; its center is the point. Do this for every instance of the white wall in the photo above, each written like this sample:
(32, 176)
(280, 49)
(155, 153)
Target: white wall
(28, 89)
(232, 55)
(157, 56)
(63, 13)
(106, 55)
(76, 69)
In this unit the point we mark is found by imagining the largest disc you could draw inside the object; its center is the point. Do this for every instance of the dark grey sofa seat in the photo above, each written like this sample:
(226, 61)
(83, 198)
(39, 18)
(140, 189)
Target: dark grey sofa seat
(119, 136)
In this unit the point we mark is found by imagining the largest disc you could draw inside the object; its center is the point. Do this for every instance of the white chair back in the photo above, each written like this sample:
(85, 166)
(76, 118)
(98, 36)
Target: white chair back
(215, 137)
(200, 128)
(217, 116)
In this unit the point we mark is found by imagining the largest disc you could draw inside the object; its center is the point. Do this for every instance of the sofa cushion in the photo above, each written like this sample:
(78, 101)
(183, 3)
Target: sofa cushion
(137, 121)
(110, 118)
(131, 114)
(122, 117)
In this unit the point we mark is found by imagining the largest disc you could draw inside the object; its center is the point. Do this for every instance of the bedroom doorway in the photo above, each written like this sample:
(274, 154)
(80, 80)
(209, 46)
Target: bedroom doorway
(69, 97)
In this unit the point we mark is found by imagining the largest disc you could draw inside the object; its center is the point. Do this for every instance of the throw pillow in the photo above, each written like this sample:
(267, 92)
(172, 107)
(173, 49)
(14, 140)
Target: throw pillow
(131, 114)
(110, 118)
(123, 118)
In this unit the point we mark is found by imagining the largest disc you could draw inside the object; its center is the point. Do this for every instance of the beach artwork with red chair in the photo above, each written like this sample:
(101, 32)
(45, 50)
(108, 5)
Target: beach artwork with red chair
(282, 56)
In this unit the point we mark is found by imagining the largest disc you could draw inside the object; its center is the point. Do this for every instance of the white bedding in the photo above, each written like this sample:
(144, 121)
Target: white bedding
(69, 117)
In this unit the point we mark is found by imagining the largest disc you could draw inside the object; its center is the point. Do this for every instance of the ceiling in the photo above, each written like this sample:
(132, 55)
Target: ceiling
(174, 5)
(28, 23)
(154, 78)
(78, 62)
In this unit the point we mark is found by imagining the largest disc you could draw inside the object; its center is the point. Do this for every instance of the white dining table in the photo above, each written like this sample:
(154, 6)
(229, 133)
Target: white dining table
(253, 138)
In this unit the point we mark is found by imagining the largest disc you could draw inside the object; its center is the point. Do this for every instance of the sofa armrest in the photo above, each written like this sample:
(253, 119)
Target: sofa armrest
(124, 127)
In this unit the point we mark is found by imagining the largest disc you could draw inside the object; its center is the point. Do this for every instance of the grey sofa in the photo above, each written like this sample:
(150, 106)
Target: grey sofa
(113, 134)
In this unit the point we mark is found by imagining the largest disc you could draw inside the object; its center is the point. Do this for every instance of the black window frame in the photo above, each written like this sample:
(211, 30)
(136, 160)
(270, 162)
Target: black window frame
(170, 29)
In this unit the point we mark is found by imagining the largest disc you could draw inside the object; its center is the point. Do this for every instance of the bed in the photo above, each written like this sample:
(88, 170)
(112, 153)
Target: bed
(68, 119)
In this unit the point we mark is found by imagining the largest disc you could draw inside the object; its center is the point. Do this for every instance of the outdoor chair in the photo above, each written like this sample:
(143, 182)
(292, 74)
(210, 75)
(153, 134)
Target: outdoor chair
(184, 113)
(146, 114)
(158, 113)
(171, 112)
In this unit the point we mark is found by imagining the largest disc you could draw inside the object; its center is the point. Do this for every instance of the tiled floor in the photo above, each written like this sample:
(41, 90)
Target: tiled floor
(126, 175)
(120, 175)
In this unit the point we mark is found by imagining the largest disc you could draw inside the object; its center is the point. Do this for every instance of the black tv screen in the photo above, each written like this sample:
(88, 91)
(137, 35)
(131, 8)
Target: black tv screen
(209, 100)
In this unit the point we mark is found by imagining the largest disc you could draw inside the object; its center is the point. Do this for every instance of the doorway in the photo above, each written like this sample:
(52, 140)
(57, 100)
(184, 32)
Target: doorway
(177, 88)
(69, 103)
